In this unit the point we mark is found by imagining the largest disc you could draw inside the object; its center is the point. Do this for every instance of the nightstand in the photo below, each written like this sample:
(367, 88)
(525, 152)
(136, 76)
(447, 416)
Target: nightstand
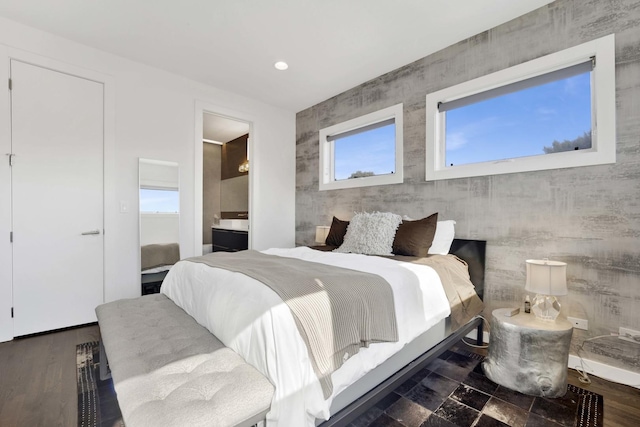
(527, 354)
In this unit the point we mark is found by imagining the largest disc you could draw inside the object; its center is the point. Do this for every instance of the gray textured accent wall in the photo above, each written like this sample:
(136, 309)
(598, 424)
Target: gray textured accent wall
(588, 217)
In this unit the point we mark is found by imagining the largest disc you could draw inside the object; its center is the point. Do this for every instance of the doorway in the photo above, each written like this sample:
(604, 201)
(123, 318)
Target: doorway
(225, 183)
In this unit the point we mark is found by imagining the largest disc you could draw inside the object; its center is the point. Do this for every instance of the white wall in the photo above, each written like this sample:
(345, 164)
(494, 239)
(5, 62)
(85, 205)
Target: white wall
(154, 119)
(159, 228)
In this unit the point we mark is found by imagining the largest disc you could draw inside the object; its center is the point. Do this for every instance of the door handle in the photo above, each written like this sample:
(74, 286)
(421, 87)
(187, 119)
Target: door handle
(89, 233)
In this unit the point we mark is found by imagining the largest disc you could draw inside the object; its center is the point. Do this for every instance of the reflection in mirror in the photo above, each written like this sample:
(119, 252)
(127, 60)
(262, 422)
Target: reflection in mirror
(159, 221)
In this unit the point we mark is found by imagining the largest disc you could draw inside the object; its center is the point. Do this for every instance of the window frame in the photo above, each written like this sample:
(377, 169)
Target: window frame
(327, 179)
(603, 106)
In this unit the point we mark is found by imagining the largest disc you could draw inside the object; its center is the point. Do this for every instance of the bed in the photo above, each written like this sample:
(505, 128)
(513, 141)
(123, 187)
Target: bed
(155, 262)
(250, 318)
(385, 378)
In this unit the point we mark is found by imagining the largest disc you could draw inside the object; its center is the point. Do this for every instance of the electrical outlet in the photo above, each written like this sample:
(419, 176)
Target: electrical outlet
(579, 323)
(629, 335)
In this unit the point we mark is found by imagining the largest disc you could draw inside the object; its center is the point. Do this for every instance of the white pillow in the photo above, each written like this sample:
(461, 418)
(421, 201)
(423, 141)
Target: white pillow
(371, 233)
(442, 240)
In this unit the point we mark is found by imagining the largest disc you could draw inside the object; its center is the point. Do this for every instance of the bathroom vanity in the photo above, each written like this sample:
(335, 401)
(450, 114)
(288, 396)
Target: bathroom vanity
(231, 235)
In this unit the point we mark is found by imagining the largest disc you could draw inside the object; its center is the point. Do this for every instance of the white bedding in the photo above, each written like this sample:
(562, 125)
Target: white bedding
(252, 320)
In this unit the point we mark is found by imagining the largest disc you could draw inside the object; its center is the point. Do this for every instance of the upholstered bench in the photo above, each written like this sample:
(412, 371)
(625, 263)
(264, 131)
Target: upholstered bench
(168, 370)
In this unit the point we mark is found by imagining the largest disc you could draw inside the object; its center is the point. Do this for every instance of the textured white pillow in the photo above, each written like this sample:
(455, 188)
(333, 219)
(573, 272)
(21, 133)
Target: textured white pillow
(371, 233)
(445, 232)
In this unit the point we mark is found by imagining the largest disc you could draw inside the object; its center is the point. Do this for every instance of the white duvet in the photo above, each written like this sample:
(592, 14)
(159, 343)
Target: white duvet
(251, 319)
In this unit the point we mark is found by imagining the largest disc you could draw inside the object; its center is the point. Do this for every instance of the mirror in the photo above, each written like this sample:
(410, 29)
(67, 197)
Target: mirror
(159, 221)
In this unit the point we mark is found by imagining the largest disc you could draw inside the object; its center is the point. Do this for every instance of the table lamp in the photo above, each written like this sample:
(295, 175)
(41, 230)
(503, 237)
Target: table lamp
(321, 233)
(546, 279)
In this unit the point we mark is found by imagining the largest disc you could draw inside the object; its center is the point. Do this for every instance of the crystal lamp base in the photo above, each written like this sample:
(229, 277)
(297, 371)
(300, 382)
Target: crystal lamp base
(545, 307)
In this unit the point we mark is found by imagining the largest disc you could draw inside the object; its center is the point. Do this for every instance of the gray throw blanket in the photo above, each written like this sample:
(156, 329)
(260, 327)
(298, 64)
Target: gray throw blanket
(337, 310)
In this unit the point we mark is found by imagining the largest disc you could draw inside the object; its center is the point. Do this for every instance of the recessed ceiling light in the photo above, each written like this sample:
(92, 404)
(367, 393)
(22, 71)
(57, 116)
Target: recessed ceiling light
(281, 65)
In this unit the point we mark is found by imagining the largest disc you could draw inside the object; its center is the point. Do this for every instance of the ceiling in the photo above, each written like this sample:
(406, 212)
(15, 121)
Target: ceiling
(330, 45)
(221, 129)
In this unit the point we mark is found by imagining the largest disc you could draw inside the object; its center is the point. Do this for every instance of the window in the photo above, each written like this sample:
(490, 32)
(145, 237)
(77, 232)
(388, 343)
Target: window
(159, 200)
(557, 111)
(362, 152)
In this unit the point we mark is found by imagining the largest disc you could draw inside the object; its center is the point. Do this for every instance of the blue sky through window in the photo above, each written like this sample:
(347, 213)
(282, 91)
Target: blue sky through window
(370, 151)
(159, 201)
(519, 124)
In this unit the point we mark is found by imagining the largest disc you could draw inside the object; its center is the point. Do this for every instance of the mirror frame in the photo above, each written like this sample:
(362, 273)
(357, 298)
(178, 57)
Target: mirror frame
(159, 180)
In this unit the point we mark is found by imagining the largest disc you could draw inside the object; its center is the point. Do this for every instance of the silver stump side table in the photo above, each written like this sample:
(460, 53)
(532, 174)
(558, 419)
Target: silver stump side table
(528, 354)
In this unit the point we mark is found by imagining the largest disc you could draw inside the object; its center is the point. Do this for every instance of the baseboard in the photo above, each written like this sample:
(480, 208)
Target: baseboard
(598, 369)
(607, 372)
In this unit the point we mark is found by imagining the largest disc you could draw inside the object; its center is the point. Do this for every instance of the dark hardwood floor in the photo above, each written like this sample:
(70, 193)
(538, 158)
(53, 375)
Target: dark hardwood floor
(621, 403)
(38, 383)
(38, 379)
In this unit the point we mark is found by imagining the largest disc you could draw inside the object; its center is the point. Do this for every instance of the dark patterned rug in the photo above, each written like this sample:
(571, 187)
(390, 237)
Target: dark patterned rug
(450, 392)
(453, 391)
(97, 404)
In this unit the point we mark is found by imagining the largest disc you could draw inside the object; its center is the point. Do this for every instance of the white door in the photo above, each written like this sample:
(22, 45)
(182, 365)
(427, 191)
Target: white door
(57, 194)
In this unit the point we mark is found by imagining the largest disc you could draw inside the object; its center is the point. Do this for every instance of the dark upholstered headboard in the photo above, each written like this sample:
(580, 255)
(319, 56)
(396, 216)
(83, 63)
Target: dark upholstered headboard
(473, 253)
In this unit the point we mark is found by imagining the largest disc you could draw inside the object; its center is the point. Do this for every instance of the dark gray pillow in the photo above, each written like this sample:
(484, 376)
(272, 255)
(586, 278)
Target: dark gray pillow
(336, 232)
(414, 238)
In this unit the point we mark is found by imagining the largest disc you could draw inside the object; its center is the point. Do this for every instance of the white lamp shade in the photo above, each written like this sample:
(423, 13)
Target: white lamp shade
(321, 233)
(546, 277)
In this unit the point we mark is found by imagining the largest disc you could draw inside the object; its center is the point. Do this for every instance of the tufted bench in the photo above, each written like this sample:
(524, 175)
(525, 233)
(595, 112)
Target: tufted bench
(169, 371)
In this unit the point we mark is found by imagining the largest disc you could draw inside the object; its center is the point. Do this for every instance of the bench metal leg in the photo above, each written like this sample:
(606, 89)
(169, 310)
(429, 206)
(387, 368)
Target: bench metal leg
(104, 364)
